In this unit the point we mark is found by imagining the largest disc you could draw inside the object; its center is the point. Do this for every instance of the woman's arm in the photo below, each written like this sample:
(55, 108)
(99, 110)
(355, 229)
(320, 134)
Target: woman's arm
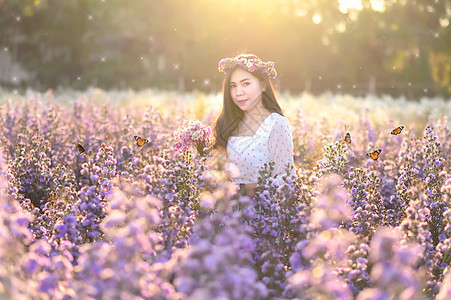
(251, 189)
(281, 146)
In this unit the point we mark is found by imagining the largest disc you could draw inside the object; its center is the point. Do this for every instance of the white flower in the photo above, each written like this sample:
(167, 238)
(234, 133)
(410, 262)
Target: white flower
(196, 135)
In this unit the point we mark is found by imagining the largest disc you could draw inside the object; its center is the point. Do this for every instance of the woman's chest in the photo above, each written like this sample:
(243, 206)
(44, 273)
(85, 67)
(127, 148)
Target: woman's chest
(246, 130)
(247, 152)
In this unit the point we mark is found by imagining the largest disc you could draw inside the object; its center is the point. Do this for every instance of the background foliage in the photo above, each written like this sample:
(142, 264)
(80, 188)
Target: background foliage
(317, 44)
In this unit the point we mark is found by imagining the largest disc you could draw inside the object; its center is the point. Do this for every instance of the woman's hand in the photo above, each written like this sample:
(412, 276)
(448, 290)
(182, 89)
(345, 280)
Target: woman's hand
(251, 189)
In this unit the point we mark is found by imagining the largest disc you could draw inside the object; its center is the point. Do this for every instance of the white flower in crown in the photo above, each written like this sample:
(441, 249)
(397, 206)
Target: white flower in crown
(251, 65)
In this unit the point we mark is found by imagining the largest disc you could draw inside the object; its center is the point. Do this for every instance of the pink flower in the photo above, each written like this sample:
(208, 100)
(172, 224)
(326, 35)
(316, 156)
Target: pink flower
(193, 133)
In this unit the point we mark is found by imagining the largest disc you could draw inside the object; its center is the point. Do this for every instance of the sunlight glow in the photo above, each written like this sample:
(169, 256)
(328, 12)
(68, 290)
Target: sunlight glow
(378, 5)
(341, 27)
(301, 12)
(317, 18)
(347, 5)
(444, 22)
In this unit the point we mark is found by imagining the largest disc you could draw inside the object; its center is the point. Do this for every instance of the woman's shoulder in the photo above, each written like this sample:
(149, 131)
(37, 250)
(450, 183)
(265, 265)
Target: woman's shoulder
(278, 118)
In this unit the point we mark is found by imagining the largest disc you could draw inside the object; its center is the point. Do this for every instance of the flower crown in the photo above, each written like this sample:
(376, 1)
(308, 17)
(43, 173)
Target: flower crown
(249, 64)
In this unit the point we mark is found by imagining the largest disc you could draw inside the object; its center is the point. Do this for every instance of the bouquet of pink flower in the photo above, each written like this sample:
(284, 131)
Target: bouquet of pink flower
(193, 133)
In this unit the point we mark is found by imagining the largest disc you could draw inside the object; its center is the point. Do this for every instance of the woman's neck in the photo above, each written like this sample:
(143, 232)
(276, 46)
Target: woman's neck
(256, 115)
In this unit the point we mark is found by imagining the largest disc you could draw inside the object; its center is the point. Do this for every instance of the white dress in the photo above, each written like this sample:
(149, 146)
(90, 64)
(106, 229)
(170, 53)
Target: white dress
(272, 141)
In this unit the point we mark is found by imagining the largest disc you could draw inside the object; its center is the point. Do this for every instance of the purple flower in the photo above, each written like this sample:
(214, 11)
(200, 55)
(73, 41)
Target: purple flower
(193, 133)
(47, 282)
(373, 294)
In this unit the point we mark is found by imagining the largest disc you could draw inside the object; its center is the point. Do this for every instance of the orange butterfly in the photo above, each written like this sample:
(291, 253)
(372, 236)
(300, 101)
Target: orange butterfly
(375, 154)
(348, 138)
(397, 130)
(80, 148)
(140, 142)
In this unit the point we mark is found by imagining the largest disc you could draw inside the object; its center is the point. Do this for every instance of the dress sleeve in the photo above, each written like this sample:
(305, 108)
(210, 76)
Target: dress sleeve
(281, 147)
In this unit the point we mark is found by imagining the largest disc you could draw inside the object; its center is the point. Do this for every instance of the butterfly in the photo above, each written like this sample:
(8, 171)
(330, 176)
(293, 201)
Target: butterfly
(397, 130)
(375, 154)
(348, 138)
(80, 148)
(140, 142)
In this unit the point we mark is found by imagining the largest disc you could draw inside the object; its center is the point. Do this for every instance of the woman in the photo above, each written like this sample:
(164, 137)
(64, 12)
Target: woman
(251, 127)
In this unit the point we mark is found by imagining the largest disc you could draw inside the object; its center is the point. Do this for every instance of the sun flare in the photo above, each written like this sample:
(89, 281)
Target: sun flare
(348, 5)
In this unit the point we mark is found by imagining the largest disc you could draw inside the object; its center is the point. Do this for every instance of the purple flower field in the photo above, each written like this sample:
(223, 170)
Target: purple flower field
(120, 221)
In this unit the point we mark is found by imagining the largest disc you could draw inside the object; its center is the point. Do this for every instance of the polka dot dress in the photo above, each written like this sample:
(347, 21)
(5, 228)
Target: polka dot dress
(272, 141)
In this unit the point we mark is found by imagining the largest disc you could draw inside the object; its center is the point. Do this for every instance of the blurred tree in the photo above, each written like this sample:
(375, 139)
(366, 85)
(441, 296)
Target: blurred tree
(12, 25)
(415, 32)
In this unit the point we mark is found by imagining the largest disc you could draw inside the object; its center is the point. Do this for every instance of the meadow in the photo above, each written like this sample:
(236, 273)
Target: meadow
(117, 221)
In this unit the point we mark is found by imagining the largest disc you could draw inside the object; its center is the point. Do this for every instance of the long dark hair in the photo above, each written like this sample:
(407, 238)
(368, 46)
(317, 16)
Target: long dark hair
(231, 114)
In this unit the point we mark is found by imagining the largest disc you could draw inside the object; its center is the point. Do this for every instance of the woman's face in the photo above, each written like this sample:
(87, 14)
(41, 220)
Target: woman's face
(246, 89)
